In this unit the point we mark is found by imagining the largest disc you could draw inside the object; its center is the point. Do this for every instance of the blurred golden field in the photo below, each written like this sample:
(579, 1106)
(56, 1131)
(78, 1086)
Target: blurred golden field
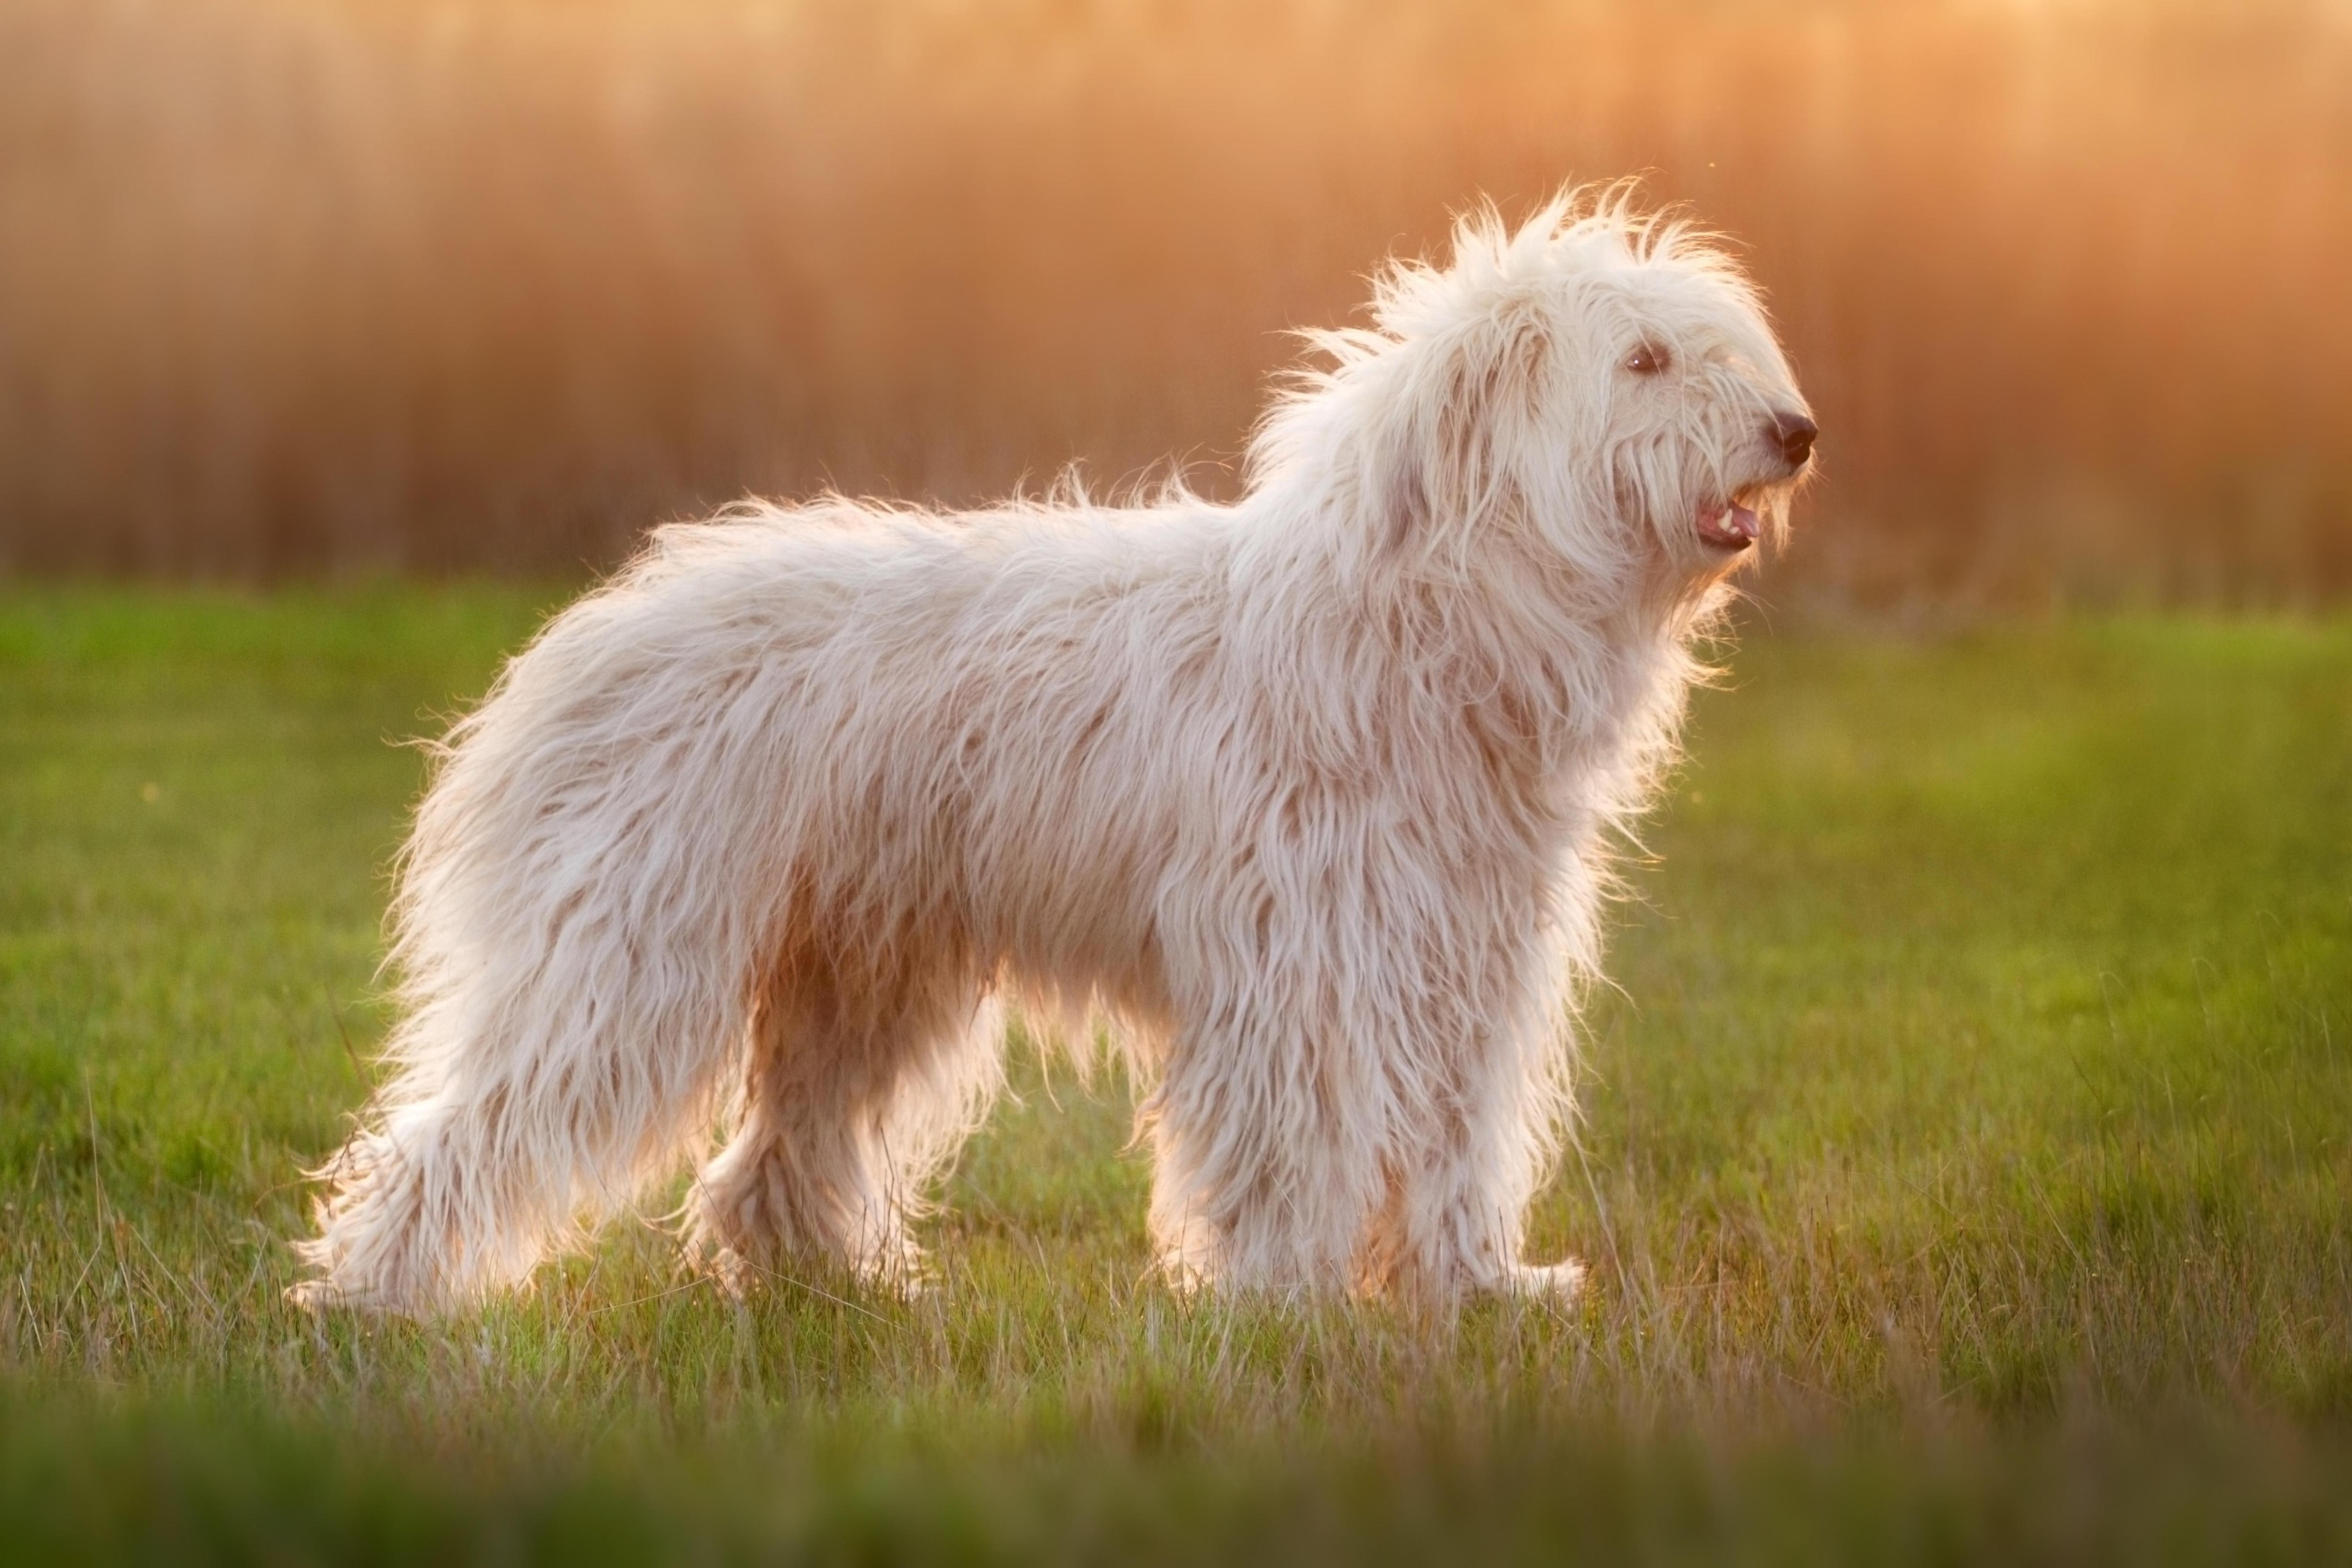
(300, 287)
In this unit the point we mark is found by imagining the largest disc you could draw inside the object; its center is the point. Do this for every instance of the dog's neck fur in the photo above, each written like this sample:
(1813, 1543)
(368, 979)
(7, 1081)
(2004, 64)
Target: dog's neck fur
(1572, 689)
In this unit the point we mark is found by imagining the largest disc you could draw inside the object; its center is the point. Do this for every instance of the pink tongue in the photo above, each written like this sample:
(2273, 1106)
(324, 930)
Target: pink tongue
(1733, 525)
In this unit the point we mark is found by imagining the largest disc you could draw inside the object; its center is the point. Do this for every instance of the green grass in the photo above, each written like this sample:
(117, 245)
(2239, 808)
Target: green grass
(1965, 1174)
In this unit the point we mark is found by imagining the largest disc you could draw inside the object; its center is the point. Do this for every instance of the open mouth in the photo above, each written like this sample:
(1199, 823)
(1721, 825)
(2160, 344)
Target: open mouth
(1729, 526)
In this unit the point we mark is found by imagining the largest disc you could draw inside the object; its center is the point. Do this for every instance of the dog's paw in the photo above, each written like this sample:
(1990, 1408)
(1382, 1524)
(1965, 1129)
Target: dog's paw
(736, 1275)
(1555, 1283)
(316, 1297)
(739, 1278)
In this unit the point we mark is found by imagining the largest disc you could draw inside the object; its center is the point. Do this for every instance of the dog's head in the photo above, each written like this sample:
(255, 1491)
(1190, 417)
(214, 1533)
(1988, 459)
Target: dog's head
(1599, 391)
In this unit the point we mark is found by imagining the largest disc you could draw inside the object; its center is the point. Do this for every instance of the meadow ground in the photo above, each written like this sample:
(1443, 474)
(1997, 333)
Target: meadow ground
(1967, 1173)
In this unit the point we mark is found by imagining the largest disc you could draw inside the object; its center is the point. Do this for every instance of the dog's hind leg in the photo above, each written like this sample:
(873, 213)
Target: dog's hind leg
(861, 1079)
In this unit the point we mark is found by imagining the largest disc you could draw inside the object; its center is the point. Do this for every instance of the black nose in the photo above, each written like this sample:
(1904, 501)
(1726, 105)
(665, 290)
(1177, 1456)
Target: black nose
(1794, 434)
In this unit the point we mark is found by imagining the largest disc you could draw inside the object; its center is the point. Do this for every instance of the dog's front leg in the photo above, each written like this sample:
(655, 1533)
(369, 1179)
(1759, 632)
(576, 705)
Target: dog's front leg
(1481, 1097)
(1267, 1153)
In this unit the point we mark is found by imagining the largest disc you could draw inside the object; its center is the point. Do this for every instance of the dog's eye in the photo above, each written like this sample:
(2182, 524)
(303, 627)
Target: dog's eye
(1648, 359)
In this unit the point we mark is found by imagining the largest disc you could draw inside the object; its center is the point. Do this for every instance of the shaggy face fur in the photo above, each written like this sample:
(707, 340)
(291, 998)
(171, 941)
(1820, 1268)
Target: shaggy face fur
(1309, 796)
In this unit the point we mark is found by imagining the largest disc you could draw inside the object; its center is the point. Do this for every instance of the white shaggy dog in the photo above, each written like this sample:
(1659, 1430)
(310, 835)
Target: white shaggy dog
(1309, 795)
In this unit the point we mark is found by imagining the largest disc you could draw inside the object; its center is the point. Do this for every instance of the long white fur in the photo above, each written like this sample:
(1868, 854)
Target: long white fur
(1310, 794)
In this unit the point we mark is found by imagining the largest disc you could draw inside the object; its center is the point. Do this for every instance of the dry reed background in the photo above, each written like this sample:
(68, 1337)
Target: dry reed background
(299, 286)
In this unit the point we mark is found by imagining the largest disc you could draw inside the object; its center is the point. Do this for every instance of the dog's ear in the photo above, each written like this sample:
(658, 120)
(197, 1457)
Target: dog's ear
(1447, 462)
